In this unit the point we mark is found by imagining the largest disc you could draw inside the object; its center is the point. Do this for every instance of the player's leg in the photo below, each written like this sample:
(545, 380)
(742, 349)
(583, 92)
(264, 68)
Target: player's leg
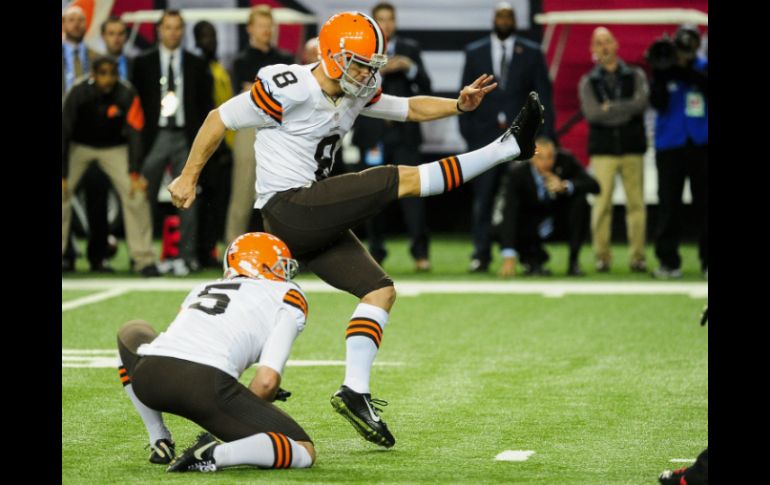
(254, 431)
(309, 219)
(263, 450)
(364, 278)
(130, 336)
(517, 143)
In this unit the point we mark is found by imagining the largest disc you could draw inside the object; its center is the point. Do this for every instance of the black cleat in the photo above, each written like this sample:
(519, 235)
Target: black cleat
(526, 125)
(357, 408)
(197, 458)
(162, 452)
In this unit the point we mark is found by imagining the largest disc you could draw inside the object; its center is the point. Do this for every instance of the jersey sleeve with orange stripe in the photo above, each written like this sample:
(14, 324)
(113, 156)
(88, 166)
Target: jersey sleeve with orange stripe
(294, 299)
(276, 92)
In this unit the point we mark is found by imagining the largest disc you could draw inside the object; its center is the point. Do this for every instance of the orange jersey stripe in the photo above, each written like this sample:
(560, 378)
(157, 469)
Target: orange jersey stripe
(271, 101)
(296, 301)
(296, 294)
(263, 106)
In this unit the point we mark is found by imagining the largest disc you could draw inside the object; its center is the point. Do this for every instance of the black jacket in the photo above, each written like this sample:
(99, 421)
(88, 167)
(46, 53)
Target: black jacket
(370, 131)
(613, 138)
(197, 93)
(521, 193)
(102, 120)
(527, 72)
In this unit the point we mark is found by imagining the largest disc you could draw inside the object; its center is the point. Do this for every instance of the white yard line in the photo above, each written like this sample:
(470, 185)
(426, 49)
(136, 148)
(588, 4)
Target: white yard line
(87, 300)
(108, 358)
(514, 455)
(682, 460)
(554, 289)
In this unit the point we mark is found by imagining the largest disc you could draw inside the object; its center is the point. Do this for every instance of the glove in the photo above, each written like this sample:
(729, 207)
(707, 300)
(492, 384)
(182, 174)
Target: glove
(282, 395)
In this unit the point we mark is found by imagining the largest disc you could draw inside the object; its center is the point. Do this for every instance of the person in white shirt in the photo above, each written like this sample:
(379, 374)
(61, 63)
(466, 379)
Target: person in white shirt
(252, 315)
(302, 113)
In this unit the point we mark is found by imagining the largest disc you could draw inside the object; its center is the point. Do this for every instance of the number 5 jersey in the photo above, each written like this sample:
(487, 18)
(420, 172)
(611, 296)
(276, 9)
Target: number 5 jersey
(231, 324)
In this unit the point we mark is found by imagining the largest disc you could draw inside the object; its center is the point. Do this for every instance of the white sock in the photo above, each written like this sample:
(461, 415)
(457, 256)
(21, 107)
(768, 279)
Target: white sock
(449, 173)
(266, 450)
(152, 419)
(363, 334)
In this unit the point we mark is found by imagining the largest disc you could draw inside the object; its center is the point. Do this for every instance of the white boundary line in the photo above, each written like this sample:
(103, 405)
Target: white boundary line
(555, 289)
(107, 358)
(87, 300)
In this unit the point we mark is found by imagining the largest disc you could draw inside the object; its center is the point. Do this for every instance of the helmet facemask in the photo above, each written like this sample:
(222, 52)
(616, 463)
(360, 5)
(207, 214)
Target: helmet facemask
(285, 268)
(351, 86)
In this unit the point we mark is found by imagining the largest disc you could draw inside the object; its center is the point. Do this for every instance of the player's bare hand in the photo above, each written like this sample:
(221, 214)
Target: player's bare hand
(471, 95)
(182, 191)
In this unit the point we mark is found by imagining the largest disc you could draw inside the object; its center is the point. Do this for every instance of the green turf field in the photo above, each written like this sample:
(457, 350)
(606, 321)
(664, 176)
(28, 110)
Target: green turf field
(606, 389)
(450, 256)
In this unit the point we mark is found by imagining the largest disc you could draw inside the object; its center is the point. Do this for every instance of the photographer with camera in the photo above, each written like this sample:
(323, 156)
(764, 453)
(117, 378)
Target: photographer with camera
(679, 95)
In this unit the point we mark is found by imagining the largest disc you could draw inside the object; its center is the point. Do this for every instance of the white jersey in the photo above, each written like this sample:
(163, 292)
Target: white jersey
(300, 128)
(229, 324)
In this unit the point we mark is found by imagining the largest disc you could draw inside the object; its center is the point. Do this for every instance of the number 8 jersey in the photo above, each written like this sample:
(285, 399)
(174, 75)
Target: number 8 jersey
(299, 127)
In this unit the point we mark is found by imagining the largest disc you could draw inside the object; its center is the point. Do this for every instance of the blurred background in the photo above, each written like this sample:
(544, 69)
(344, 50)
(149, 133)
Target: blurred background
(443, 30)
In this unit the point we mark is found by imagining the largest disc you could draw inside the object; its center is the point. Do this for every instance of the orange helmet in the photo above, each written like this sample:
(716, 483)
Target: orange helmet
(259, 255)
(348, 37)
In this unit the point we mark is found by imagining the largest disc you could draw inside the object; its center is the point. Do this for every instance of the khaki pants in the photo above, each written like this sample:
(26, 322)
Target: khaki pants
(243, 191)
(631, 169)
(136, 210)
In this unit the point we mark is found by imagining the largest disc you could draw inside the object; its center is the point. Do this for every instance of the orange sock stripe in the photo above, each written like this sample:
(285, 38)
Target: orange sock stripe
(364, 332)
(366, 322)
(444, 175)
(456, 170)
(287, 450)
(277, 450)
(447, 174)
(123, 375)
